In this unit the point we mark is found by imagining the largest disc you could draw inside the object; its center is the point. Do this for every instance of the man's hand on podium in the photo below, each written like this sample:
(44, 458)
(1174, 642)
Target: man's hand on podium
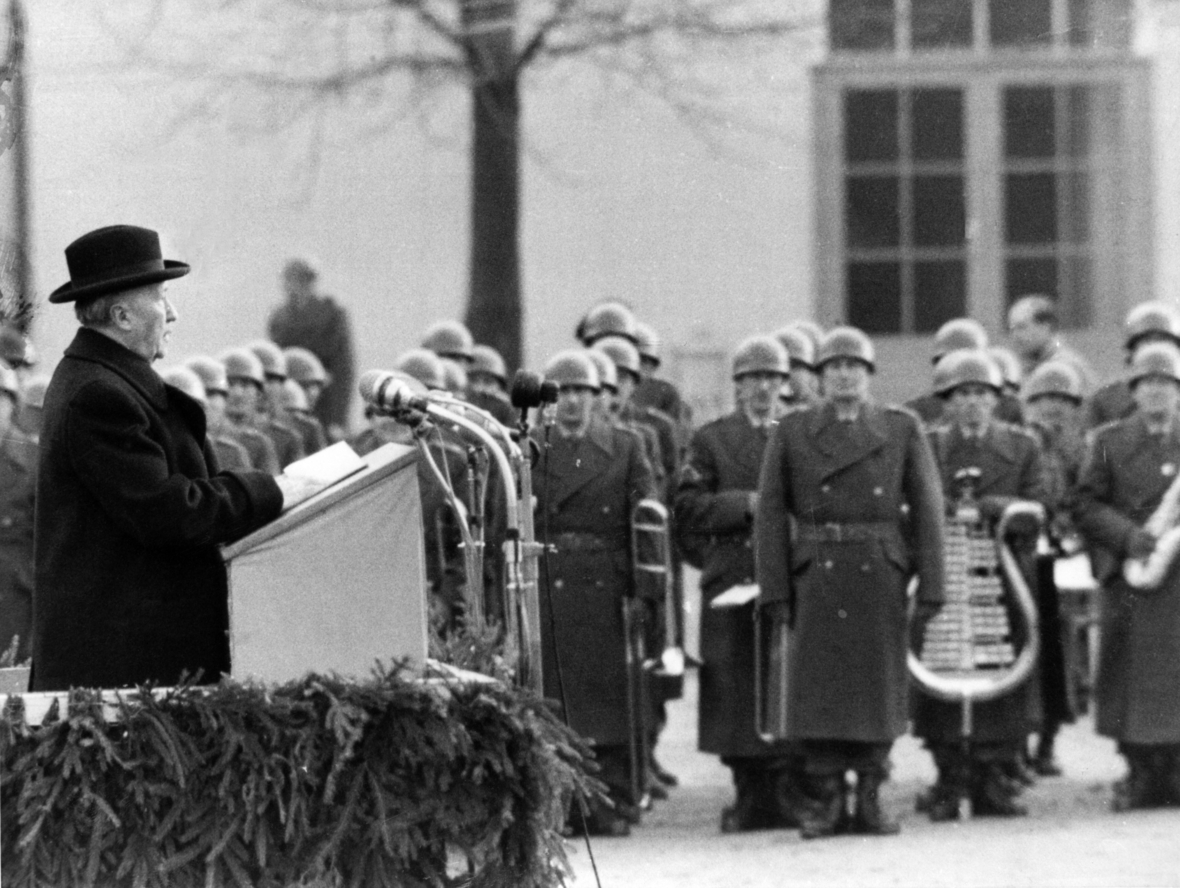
(296, 489)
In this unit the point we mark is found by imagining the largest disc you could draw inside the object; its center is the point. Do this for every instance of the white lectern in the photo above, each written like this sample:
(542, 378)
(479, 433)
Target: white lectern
(335, 584)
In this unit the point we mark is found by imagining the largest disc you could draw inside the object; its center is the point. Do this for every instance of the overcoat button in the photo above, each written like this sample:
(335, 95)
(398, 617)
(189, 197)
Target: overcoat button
(865, 568)
(828, 565)
(6, 521)
(748, 544)
(877, 491)
(843, 613)
(557, 584)
(606, 510)
(826, 488)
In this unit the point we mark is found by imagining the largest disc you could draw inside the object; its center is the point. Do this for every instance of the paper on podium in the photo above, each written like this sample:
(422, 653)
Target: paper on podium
(323, 469)
(736, 597)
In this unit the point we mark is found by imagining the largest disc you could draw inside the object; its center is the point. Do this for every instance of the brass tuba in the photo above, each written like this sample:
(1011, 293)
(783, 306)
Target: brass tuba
(1147, 573)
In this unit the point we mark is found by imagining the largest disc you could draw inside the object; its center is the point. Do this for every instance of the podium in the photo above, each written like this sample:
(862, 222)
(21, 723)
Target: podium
(336, 583)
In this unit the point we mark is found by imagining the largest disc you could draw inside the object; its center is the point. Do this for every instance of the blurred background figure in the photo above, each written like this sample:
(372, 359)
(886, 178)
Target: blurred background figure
(1033, 328)
(487, 384)
(18, 480)
(1147, 322)
(32, 402)
(319, 324)
(244, 381)
(231, 453)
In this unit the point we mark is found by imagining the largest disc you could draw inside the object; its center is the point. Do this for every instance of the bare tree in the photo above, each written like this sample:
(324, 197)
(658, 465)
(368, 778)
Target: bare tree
(387, 58)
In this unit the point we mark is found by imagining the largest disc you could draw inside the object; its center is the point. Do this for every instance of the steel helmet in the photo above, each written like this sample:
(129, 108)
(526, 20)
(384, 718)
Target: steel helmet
(1155, 359)
(1054, 378)
(1010, 368)
(846, 342)
(15, 348)
(575, 368)
(648, 342)
(294, 397)
(241, 363)
(449, 339)
(760, 354)
(799, 346)
(8, 381)
(211, 373)
(33, 391)
(304, 367)
(608, 374)
(486, 360)
(424, 365)
(622, 351)
(959, 333)
(454, 376)
(607, 319)
(1154, 317)
(274, 362)
(811, 330)
(185, 379)
(966, 367)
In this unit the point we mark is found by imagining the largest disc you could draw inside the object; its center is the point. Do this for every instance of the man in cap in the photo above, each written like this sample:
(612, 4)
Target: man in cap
(130, 508)
(1153, 321)
(587, 482)
(849, 509)
(321, 325)
(1034, 328)
(1005, 462)
(716, 501)
(1129, 466)
(18, 478)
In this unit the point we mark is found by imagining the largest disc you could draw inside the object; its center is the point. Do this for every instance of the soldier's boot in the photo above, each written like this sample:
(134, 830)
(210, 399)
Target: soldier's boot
(822, 800)
(870, 820)
(787, 795)
(1045, 762)
(746, 813)
(993, 793)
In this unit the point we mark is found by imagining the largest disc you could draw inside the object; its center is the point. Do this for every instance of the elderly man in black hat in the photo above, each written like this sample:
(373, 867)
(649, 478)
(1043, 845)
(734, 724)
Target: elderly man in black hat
(132, 505)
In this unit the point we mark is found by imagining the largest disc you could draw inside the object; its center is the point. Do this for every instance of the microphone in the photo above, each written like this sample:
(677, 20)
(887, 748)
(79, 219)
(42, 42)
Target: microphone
(530, 389)
(390, 391)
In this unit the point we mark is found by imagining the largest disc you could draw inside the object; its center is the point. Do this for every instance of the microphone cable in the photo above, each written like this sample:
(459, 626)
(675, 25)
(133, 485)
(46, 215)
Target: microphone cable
(579, 799)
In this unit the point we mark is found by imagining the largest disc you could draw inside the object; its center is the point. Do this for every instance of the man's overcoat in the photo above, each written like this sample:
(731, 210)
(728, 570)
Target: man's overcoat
(848, 512)
(1124, 475)
(586, 490)
(130, 511)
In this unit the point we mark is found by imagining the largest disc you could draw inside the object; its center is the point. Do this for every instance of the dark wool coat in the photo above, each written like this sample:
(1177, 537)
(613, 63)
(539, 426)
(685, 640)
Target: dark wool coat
(18, 480)
(586, 490)
(1124, 475)
(846, 650)
(130, 512)
(1011, 467)
(713, 503)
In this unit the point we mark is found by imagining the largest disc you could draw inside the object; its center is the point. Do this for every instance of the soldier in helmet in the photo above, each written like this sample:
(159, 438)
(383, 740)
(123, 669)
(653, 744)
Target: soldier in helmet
(587, 482)
(655, 392)
(954, 335)
(18, 479)
(230, 454)
(607, 319)
(1008, 464)
(244, 382)
(321, 325)
(1154, 321)
(305, 370)
(716, 501)
(1034, 328)
(802, 386)
(451, 340)
(272, 420)
(1129, 465)
(230, 451)
(487, 385)
(834, 557)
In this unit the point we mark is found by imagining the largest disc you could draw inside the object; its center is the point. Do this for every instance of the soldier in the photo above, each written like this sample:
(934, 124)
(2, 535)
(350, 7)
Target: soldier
(18, 479)
(1053, 404)
(1154, 321)
(655, 392)
(1128, 467)
(802, 385)
(1009, 466)
(607, 319)
(272, 421)
(231, 453)
(588, 481)
(1033, 326)
(305, 370)
(954, 335)
(450, 340)
(244, 381)
(716, 501)
(835, 553)
(487, 385)
(32, 403)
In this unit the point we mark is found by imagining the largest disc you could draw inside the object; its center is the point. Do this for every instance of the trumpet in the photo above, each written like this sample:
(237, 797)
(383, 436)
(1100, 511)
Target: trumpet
(1147, 573)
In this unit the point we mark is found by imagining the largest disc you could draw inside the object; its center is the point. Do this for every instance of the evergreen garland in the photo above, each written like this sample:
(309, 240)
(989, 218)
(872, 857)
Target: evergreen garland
(322, 783)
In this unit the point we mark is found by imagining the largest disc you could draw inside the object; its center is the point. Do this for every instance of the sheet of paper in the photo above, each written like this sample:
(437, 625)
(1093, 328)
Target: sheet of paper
(736, 597)
(321, 470)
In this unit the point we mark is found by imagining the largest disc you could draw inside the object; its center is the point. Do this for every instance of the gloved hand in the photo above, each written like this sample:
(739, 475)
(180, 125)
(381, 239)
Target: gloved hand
(1140, 544)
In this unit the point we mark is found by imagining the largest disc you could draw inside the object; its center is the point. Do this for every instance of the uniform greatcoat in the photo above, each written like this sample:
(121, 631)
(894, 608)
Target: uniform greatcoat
(1124, 475)
(1112, 401)
(586, 489)
(1009, 460)
(18, 479)
(130, 586)
(832, 541)
(713, 503)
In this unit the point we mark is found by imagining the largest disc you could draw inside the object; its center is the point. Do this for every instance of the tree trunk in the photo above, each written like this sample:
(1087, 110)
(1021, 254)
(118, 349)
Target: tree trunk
(495, 313)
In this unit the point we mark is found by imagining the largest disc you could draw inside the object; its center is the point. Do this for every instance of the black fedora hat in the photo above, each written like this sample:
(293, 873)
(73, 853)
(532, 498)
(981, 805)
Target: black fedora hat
(113, 259)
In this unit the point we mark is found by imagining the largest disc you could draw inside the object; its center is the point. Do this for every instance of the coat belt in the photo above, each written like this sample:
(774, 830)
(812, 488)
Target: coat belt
(845, 532)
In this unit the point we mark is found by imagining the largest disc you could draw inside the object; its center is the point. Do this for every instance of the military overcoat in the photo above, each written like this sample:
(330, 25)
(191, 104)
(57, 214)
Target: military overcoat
(1124, 475)
(831, 538)
(714, 504)
(586, 489)
(1011, 468)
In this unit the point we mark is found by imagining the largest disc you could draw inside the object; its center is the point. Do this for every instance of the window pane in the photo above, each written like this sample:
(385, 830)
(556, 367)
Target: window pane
(874, 296)
(1020, 22)
(1030, 209)
(938, 23)
(1100, 23)
(939, 213)
(940, 293)
(873, 212)
(1031, 276)
(861, 24)
(870, 125)
(938, 124)
(1029, 124)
